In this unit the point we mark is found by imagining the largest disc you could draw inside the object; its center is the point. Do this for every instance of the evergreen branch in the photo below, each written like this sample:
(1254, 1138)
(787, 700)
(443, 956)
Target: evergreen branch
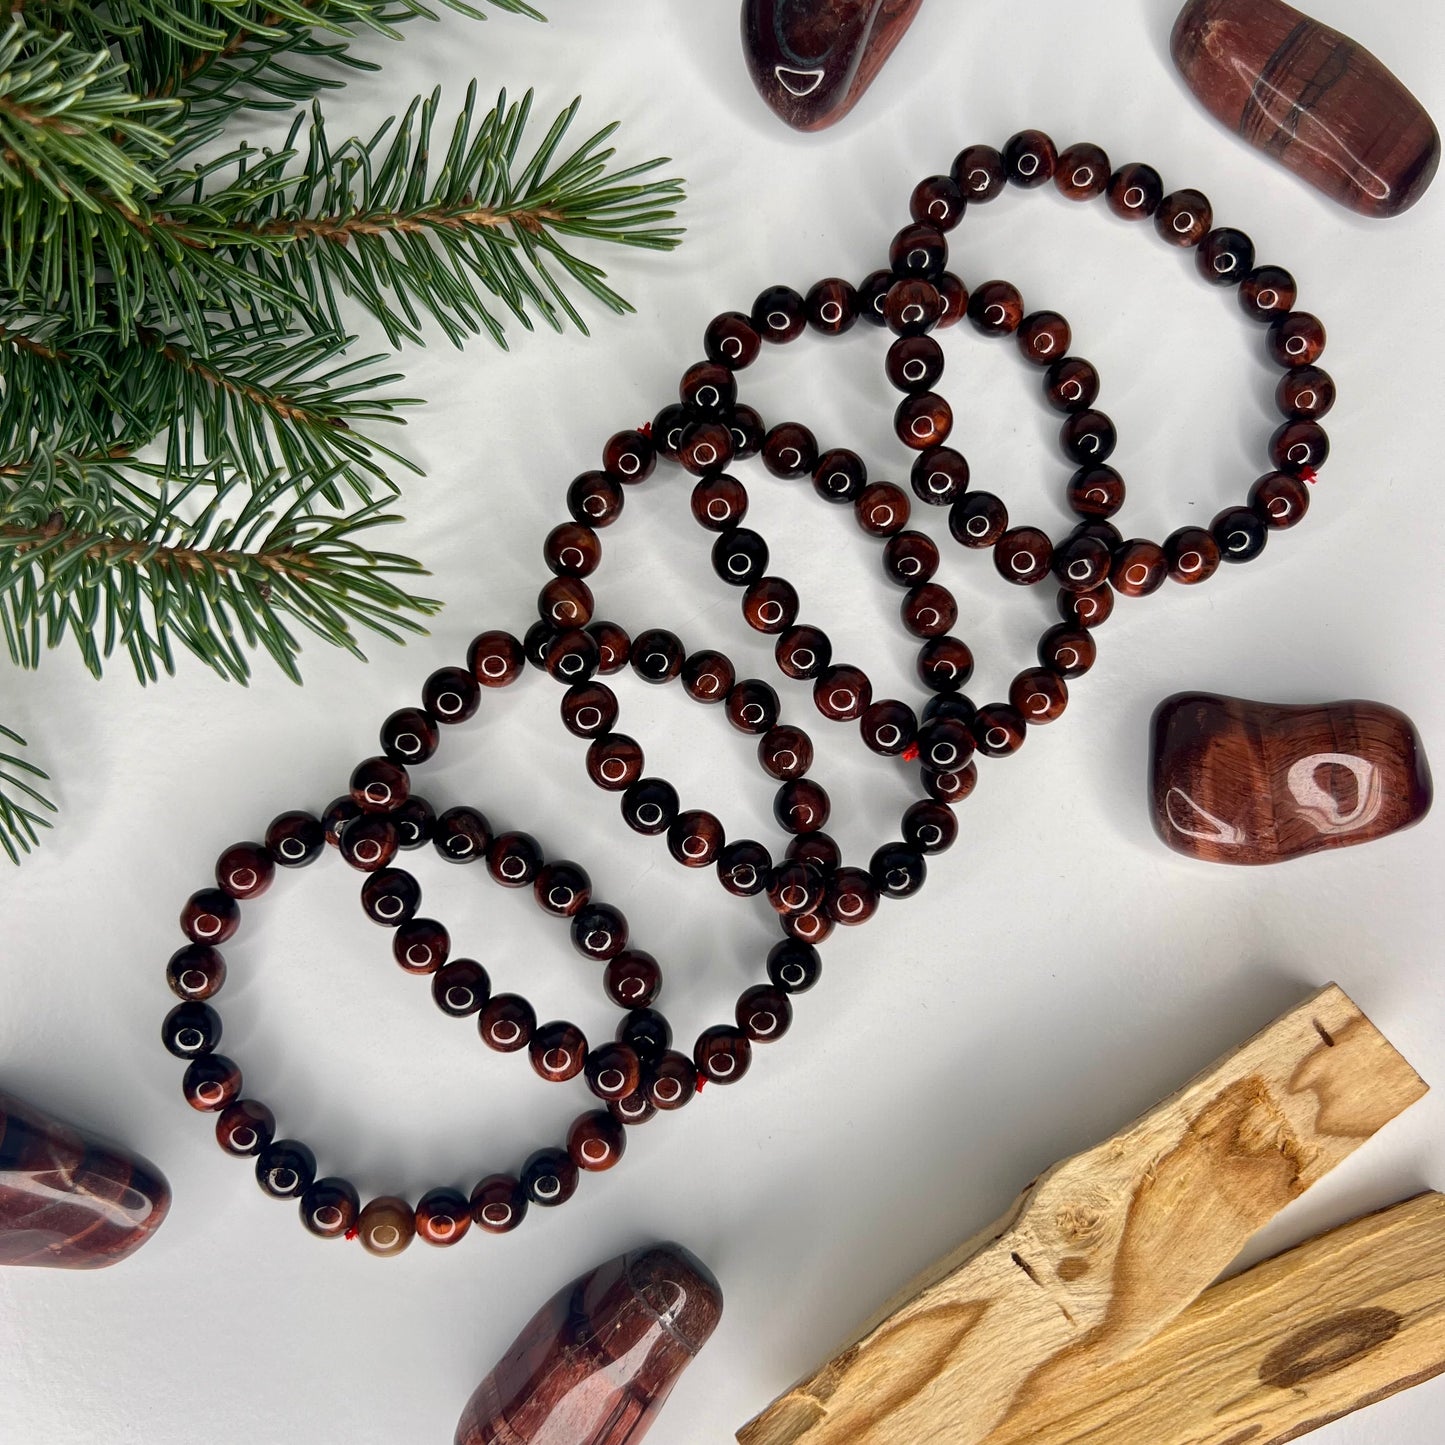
(18, 800)
(216, 585)
(68, 124)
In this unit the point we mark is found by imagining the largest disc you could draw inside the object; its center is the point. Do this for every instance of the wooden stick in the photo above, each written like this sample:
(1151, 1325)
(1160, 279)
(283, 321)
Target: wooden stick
(1348, 1319)
(1106, 1248)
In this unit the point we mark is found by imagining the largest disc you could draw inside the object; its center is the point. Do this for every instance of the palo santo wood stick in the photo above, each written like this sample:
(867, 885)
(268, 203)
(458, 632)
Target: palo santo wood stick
(1106, 1248)
(1337, 1324)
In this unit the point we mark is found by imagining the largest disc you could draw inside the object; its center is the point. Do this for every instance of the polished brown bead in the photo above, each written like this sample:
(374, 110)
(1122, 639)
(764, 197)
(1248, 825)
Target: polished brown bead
(630, 456)
(695, 839)
(1267, 292)
(329, 1208)
(595, 499)
(722, 1054)
(1135, 192)
(929, 610)
(1082, 172)
(1192, 555)
(572, 656)
(285, 1169)
(443, 1216)
(1082, 563)
(596, 1141)
(514, 860)
(597, 1362)
(296, 839)
(562, 888)
(842, 693)
(996, 308)
(1241, 535)
(923, 421)
(746, 428)
(1224, 257)
(599, 932)
(780, 315)
(705, 447)
(190, 1030)
(999, 729)
(872, 293)
(210, 916)
(1297, 339)
(1030, 159)
(211, 1083)
(811, 62)
(945, 743)
(1071, 384)
(615, 762)
(785, 753)
(669, 427)
(1039, 694)
(790, 450)
(558, 1051)
(379, 786)
(831, 306)
(978, 172)
(571, 550)
(770, 605)
(415, 822)
(1234, 781)
(1140, 568)
(550, 1177)
(803, 652)
(1314, 99)
(813, 928)
(1043, 338)
(940, 476)
(709, 388)
(1023, 556)
(650, 805)
(910, 558)
(671, 1081)
(917, 251)
(794, 966)
(246, 870)
(1068, 651)
(929, 826)
(657, 655)
(245, 1127)
(794, 888)
(589, 709)
(647, 1033)
(386, 1226)
(951, 785)
(888, 727)
(914, 364)
(743, 867)
(462, 835)
(499, 1205)
(818, 850)
(978, 519)
(955, 300)
(1279, 500)
(196, 972)
(69, 1200)
(937, 201)
(882, 510)
(507, 1023)
(613, 1071)
(1088, 437)
(1096, 491)
(632, 979)
(451, 694)
(898, 870)
(764, 1013)
(752, 706)
(913, 307)
(566, 602)
(719, 502)
(840, 476)
(1299, 447)
(1086, 609)
(945, 664)
(1184, 218)
(708, 677)
(851, 897)
(732, 340)
(801, 806)
(421, 945)
(1305, 393)
(461, 988)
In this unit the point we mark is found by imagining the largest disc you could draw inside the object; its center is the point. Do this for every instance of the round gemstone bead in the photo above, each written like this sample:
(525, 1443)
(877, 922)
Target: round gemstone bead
(421, 946)
(461, 988)
(443, 1216)
(498, 1204)
(1030, 159)
(1082, 172)
(671, 1081)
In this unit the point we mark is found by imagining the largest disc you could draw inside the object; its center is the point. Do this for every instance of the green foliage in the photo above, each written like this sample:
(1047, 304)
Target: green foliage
(189, 453)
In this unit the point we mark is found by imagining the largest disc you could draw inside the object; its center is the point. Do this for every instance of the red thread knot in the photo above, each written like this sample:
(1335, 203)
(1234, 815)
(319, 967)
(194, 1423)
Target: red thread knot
(1309, 474)
(645, 430)
(701, 1083)
(910, 753)
(353, 1233)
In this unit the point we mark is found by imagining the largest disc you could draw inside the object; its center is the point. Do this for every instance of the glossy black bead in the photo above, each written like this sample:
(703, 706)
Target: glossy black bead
(451, 695)
(1240, 534)
(599, 931)
(650, 805)
(390, 897)
(930, 827)
(285, 1169)
(657, 655)
(794, 966)
(1225, 256)
(732, 340)
(191, 1030)
(898, 870)
(549, 1178)
(409, 736)
(460, 988)
(840, 476)
(647, 1033)
(739, 557)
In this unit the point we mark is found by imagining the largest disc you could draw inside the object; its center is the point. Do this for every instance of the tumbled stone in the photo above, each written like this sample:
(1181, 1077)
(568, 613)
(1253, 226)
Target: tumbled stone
(811, 60)
(67, 1200)
(1254, 782)
(1314, 99)
(599, 1359)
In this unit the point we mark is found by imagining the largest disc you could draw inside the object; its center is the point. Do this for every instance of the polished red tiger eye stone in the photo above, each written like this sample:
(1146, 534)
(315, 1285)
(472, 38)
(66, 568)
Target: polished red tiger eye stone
(599, 1359)
(1234, 781)
(67, 1200)
(811, 60)
(1312, 98)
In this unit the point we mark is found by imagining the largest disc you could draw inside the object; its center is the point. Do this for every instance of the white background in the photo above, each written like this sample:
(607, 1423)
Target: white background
(1060, 973)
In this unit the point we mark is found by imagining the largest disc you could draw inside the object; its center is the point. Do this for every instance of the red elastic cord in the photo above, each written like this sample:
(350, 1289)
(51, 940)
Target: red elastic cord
(910, 753)
(701, 1083)
(646, 430)
(353, 1233)
(1309, 474)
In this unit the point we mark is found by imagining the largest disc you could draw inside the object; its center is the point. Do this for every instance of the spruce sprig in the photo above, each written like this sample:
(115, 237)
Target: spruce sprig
(19, 799)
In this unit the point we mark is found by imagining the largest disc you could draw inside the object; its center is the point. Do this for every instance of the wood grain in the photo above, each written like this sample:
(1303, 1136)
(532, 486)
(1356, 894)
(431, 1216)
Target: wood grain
(1107, 1248)
(1341, 1322)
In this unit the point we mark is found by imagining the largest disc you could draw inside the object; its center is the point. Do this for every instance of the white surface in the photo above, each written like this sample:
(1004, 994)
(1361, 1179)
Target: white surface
(1061, 971)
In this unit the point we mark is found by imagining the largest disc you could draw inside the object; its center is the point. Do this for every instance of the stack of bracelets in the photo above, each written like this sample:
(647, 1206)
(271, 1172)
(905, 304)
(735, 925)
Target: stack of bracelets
(639, 1073)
